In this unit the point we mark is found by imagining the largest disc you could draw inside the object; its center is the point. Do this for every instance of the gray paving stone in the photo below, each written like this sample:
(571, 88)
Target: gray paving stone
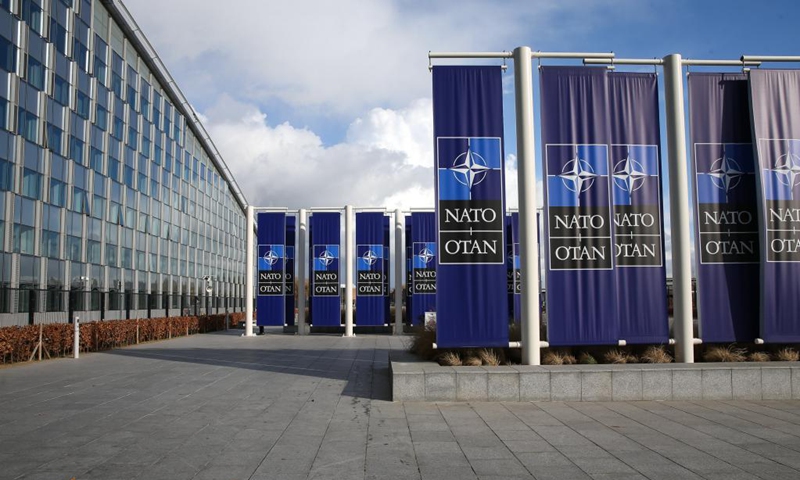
(596, 387)
(626, 385)
(717, 384)
(472, 384)
(776, 383)
(440, 385)
(656, 384)
(746, 383)
(503, 384)
(687, 384)
(534, 386)
(565, 386)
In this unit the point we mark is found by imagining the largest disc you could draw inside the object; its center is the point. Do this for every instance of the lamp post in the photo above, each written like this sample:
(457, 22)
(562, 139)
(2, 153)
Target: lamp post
(209, 289)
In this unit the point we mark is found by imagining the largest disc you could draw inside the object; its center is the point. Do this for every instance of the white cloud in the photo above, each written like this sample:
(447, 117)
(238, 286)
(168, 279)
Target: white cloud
(386, 161)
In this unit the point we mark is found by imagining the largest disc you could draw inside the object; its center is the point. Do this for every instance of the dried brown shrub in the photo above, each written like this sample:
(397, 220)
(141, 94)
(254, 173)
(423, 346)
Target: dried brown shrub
(787, 355)
(586, 358)
(758, 357)
(422, 340)
(729, 353)
(618, 356)
(558, 357)
(471, 361)
(656, 354)
(489, 357)
(449, 359)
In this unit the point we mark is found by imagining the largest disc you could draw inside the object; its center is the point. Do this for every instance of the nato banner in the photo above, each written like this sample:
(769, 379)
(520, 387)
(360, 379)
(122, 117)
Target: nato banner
(271, 301)
(371, 254)
(288, 274)
(423, 265)
(515, 285)
(471, 304)
(325, 296)
(605, 273)
(775, 107)
(726, 212)
(409, 271)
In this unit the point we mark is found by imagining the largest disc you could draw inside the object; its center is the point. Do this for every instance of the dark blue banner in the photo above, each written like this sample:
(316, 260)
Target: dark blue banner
(604, 264)
(471, 306)
(289, 277)
(324, 259)
(371, 271)
(726, 212)
(423, 265)
(515, 283)
(775, 107)
(271, 299)
(409, 271)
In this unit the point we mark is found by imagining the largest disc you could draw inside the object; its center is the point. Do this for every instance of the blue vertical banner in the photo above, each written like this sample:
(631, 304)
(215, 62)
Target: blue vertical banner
(409, 271)
(509, 266)
(725, 207)
(371, 255)
(289, 275)
(605, 272)
(423, 265)
(471, 299)
(637, 209)
(775, 108)
(324, 266)
(388, 297)
(271, 299)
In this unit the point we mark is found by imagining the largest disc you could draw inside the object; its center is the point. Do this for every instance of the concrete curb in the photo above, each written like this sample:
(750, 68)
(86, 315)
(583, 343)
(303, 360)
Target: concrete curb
(413, 380)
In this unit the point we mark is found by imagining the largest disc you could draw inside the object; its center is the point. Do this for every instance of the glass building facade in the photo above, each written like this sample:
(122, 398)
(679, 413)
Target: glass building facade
(114, 202)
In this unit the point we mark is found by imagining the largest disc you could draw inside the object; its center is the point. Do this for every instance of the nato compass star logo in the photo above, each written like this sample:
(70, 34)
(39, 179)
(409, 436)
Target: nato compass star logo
(426, 255)
(469, 168)
(725, 174)
(578, 175)
(787, 169)
(369, 257)
(629, 175)
(326, 258)
(271, 258)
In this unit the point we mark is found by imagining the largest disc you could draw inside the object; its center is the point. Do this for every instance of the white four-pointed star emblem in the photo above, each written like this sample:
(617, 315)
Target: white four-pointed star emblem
(469, 168)
(629, 175)
(725, 173)
(788, 169)
(326, 258)
(271, 257)
(577, 175)
(426, 255)
(369, 257)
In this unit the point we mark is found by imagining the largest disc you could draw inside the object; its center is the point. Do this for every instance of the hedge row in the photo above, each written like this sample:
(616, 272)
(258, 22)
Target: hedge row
(18, 344)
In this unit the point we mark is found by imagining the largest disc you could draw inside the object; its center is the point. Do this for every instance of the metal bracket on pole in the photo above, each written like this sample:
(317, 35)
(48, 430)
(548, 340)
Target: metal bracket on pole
(249, 259)
(399, 249)
(349, 258)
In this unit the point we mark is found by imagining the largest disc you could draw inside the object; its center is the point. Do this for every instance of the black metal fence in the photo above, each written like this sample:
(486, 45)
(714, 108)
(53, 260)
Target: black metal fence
(54, 305)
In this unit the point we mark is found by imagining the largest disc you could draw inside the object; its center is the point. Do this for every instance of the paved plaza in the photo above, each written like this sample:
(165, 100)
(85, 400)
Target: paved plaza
(218, 406)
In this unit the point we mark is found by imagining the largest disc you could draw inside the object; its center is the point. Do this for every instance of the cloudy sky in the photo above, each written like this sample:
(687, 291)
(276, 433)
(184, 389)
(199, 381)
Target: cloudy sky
(323, 103)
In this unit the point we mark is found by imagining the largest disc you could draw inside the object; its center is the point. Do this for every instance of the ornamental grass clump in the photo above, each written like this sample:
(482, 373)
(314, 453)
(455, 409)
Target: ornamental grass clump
(449, 359)
(787, 355)
(656, 354)
(471, 361)
(586, 358)
(557, 357)
(758, 357)
(617, 356)
(422, 341)
(489, 357)
(728, 353)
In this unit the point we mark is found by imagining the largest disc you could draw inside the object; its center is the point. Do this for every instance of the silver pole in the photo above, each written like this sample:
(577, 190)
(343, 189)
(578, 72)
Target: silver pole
(399, 250)
(526, 174)
(300, 255)
(248, 260)
(76, 338)
(349, 258)
(679, 209)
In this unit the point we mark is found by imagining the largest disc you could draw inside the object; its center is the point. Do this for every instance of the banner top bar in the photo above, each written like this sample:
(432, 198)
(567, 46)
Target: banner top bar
(505, 54)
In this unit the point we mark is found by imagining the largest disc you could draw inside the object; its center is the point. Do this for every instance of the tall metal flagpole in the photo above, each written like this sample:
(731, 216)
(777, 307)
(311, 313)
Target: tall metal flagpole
(526, 174)
(679, 210)
(349, 258)
(301, 252)
(248, 294)
(399, 248)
